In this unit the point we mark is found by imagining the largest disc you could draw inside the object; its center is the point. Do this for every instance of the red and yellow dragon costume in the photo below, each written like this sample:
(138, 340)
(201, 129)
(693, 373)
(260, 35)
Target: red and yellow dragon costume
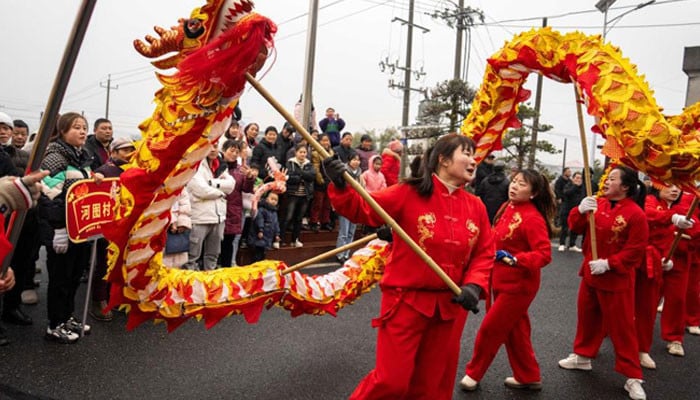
(223, 40)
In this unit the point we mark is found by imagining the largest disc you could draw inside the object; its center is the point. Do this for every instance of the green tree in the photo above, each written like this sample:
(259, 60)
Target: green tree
(450, 100)
(517, 142)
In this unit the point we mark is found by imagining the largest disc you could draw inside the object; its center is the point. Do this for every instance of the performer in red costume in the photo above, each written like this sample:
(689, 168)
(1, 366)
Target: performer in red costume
(675, 282)
(521, 232)
(660, 206)
(420, 324)
(606, 294)
(692, 309)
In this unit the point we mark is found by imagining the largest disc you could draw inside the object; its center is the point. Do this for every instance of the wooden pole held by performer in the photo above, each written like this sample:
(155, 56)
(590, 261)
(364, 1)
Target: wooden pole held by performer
(679, 235)
(329, 254)
(586, 173)
(356, 185)
(48, 122)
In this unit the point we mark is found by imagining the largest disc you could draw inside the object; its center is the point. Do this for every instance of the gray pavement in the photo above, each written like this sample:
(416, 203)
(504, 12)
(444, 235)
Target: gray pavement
(306, 357)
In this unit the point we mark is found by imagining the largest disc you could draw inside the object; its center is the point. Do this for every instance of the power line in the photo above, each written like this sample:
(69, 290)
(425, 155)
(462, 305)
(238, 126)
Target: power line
(598, 27)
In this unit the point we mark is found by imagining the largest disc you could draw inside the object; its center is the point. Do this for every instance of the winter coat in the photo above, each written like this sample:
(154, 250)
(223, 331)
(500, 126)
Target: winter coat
(372, 180)
(365, 156)
(208, 194)
(66, 165)
(96, 151)
(332, 127)
(300, 174)
(343, 153)
(20, 158)
(321, 182)
(493, 191)
(261, 153)
(234, 200)
(266, 222)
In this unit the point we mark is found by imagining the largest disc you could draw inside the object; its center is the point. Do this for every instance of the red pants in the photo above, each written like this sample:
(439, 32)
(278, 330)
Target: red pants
(601, 311)
(321, 208)
(692, 306)
(674, 290)
(646, 299)
(416, 356)
(507, 322)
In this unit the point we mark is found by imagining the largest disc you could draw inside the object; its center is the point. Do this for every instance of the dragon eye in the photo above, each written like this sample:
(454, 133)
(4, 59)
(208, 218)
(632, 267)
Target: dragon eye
(193, 28)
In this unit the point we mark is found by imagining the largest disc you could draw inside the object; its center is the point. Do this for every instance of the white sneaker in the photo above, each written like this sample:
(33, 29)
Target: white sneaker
(297, 243)
(635, 390)
(562, 247)
(575, 248)
(660, 308)
(694, 330)
(574, 361)
(468, 384)
(675, 348)
(512, 383)
(646, 361)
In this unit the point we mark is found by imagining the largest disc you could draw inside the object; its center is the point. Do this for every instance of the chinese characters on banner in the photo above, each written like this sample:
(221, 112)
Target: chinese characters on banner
(89, 207)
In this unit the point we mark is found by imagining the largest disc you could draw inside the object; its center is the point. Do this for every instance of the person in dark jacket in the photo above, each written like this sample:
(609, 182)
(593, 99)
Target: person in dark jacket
(344, 149)
(121, 150)
(285, 142)
(300, 190)
(332, 125)
(265, 230)
(574, 191)
(97, 144)
(265, 149)
(493, 190)
(67, 163)
(245, 179)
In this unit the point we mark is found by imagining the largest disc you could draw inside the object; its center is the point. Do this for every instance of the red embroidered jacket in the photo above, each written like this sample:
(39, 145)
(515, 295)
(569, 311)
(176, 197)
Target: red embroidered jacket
(622, 235)
(452, 228)
(522, 232)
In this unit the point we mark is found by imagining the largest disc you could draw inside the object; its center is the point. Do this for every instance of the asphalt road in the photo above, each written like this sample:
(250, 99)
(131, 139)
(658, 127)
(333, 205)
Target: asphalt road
(307, 357)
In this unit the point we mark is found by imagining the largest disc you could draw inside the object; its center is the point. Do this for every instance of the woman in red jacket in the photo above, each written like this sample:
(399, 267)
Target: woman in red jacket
(521, 233)
(606, 295)
(420, 324)
(675, 281)
(660, 207)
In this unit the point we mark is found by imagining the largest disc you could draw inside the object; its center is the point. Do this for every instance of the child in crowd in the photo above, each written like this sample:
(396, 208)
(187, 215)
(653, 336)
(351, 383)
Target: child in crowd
(373, 179)
(346, 231)
(265, 229)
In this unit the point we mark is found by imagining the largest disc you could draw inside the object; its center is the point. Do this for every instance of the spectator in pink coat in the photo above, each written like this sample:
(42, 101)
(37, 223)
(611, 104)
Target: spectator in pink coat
(373, 179)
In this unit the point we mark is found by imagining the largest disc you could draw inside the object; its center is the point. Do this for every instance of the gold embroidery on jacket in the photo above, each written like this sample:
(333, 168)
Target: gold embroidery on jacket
(513, 225)
(426, 224)
(474, 231)
(618, 226)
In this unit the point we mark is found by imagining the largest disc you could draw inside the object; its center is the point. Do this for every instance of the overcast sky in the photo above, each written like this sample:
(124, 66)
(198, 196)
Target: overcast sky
(353, 36)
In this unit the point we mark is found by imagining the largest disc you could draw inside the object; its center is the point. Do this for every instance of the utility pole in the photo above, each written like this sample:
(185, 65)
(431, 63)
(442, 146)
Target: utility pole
(536, 119)
(462, 19)
(307, 98)
(109, 87)
(406, 84)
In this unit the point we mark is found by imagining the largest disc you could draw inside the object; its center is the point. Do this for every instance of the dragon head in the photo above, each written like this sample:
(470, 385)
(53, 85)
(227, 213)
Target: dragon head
(190, 34)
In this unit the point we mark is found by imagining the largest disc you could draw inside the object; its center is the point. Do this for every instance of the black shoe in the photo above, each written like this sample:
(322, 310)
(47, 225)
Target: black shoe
(315, 227)
(327, 227)
(16, 317)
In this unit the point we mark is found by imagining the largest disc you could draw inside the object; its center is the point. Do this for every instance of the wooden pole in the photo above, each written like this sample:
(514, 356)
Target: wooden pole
(586, 174)
(679, 234)
(329, 254)
(356, 185)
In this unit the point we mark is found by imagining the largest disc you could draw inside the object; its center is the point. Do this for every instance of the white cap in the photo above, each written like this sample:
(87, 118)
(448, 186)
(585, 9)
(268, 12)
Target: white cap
(6, 119)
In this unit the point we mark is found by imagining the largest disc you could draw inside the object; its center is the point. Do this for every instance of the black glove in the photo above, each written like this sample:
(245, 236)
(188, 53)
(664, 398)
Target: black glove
(333, 169)
(469, 298)
(384, 233)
